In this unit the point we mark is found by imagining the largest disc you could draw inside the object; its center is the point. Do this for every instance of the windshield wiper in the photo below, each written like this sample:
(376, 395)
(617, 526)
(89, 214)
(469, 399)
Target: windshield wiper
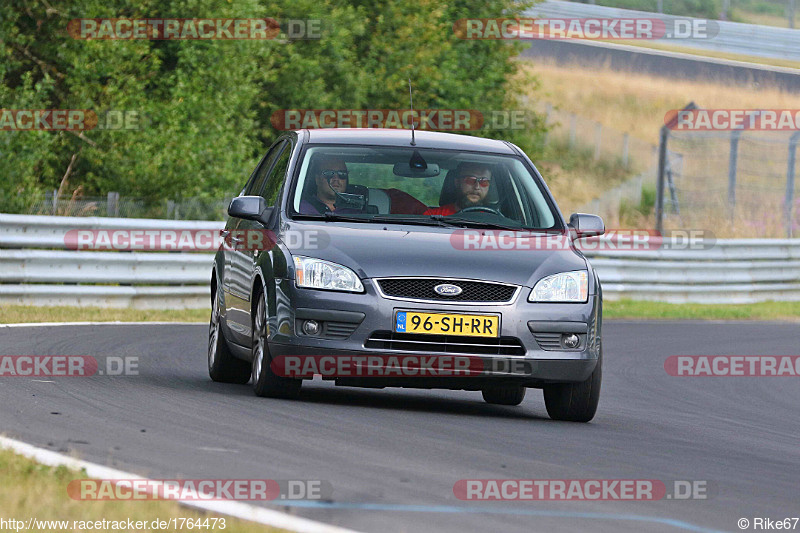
(489, 225)
(437, 220)
(332, 216)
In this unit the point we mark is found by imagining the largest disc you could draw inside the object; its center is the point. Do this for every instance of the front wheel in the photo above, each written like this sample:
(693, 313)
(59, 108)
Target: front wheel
(575, 402)
(223, 366)
(267, 383)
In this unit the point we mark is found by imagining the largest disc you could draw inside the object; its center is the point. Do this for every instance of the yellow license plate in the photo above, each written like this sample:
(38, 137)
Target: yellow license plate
(447, 324)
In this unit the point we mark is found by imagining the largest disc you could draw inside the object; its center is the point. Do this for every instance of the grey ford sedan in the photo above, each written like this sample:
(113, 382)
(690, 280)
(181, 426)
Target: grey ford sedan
(385, 254)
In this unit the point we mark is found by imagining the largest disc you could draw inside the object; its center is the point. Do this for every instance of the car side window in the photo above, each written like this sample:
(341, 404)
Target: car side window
(277, 175)
(256, 183)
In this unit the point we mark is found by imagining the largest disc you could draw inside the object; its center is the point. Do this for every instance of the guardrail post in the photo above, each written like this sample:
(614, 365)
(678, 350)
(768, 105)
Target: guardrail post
(789, 199)
(662, 170)
(662, 166)
(112, 204)
(733, 162)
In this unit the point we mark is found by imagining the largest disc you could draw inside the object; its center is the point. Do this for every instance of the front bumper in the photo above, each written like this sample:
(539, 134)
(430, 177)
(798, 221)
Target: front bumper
(529, 352)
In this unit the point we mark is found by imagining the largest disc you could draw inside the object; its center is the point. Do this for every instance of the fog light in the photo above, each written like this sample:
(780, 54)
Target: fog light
(311, 327)
(570, 340)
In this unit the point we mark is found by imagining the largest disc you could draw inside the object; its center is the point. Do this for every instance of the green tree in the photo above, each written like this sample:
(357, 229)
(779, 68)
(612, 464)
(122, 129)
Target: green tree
(205, 106)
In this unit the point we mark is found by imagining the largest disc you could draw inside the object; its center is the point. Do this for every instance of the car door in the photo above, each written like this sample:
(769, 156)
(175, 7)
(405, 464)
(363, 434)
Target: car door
(248, 255)
(238, 261)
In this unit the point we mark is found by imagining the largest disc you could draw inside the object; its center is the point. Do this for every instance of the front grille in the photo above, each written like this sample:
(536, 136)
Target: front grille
(409, 342)
(422, 289)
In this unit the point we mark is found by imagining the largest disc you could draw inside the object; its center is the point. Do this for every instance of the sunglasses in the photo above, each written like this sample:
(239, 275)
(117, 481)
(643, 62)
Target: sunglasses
(330, 174)
(470, 181)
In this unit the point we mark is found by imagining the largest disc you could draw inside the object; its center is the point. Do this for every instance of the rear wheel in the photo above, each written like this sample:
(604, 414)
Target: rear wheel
(267, 383)
(222, 365)
(504, 395)
(575, 402)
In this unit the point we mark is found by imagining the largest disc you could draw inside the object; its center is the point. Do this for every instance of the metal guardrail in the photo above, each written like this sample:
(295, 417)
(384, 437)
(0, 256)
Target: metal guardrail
(31, 275)
(730, 271)
(733, 37)
(30, 231)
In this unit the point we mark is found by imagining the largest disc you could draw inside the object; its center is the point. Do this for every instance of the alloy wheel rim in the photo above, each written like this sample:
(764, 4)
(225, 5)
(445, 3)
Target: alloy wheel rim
(259, 334)
(213, 333)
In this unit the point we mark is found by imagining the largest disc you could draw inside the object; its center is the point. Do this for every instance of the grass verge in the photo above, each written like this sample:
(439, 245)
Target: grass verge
(632, 309)
(637, 103)
(31, 490)
(17, 314)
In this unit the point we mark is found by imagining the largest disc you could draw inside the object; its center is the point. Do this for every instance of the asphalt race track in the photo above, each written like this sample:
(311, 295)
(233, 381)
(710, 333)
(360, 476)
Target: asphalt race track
(392, 456)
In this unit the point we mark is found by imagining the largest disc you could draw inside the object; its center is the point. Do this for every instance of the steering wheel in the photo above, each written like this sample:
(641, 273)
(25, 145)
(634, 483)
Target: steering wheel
(483, 208)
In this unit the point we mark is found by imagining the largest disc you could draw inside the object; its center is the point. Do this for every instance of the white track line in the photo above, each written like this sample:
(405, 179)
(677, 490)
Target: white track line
(241, 510)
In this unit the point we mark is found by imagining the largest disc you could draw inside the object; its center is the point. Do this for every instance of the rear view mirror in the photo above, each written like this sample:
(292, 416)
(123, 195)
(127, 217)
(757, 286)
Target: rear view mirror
(408, 171)
(250, 208)
(586, 225)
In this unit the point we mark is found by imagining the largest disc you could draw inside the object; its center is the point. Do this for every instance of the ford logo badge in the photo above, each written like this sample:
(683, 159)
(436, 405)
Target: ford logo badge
(447, 289)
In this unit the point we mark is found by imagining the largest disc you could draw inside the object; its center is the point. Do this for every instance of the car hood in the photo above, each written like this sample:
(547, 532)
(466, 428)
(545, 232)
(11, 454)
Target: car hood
(387, 250)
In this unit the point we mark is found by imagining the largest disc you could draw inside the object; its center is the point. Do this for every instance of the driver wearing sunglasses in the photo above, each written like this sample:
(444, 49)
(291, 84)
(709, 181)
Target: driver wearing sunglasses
(472, 185)
(330, 177)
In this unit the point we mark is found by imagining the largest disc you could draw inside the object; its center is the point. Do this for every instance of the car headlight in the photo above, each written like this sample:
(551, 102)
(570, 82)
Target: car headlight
(314, 273)
(564, 287)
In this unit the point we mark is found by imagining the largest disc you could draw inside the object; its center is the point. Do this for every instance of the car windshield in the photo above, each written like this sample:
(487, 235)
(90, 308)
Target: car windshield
(419, 186)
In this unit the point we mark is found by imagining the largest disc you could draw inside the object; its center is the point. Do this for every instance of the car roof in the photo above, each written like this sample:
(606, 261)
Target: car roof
(402, 137)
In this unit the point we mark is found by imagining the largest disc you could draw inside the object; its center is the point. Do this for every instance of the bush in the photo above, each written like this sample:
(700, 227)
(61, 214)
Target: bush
(206, 105)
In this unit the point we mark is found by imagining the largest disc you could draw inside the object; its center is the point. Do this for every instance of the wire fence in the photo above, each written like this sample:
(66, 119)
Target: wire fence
(738, 183)
(115, 205)
(607, 143)
(637, 157)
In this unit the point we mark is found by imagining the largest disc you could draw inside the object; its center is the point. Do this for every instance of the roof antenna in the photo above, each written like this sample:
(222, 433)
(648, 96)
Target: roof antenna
(411, 97)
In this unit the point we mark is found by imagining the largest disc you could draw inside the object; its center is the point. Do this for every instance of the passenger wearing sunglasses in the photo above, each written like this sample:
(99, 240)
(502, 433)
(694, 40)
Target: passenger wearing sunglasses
(472, 185)
(330, 177)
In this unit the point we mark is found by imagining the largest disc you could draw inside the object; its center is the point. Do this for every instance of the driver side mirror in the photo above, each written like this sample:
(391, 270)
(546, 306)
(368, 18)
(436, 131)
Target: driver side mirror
(250, 208)
(586, 225)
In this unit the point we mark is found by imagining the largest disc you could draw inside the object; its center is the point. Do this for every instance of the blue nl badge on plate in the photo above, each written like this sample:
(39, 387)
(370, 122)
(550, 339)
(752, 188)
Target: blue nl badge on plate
(400, 322)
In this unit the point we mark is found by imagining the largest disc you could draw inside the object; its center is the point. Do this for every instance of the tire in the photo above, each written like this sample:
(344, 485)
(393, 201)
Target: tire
(223, 367)
(575, 402)
(265, 382)
(504, 395)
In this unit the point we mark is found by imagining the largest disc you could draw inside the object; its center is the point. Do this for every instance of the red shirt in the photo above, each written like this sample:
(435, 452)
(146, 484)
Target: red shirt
(445, 210)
